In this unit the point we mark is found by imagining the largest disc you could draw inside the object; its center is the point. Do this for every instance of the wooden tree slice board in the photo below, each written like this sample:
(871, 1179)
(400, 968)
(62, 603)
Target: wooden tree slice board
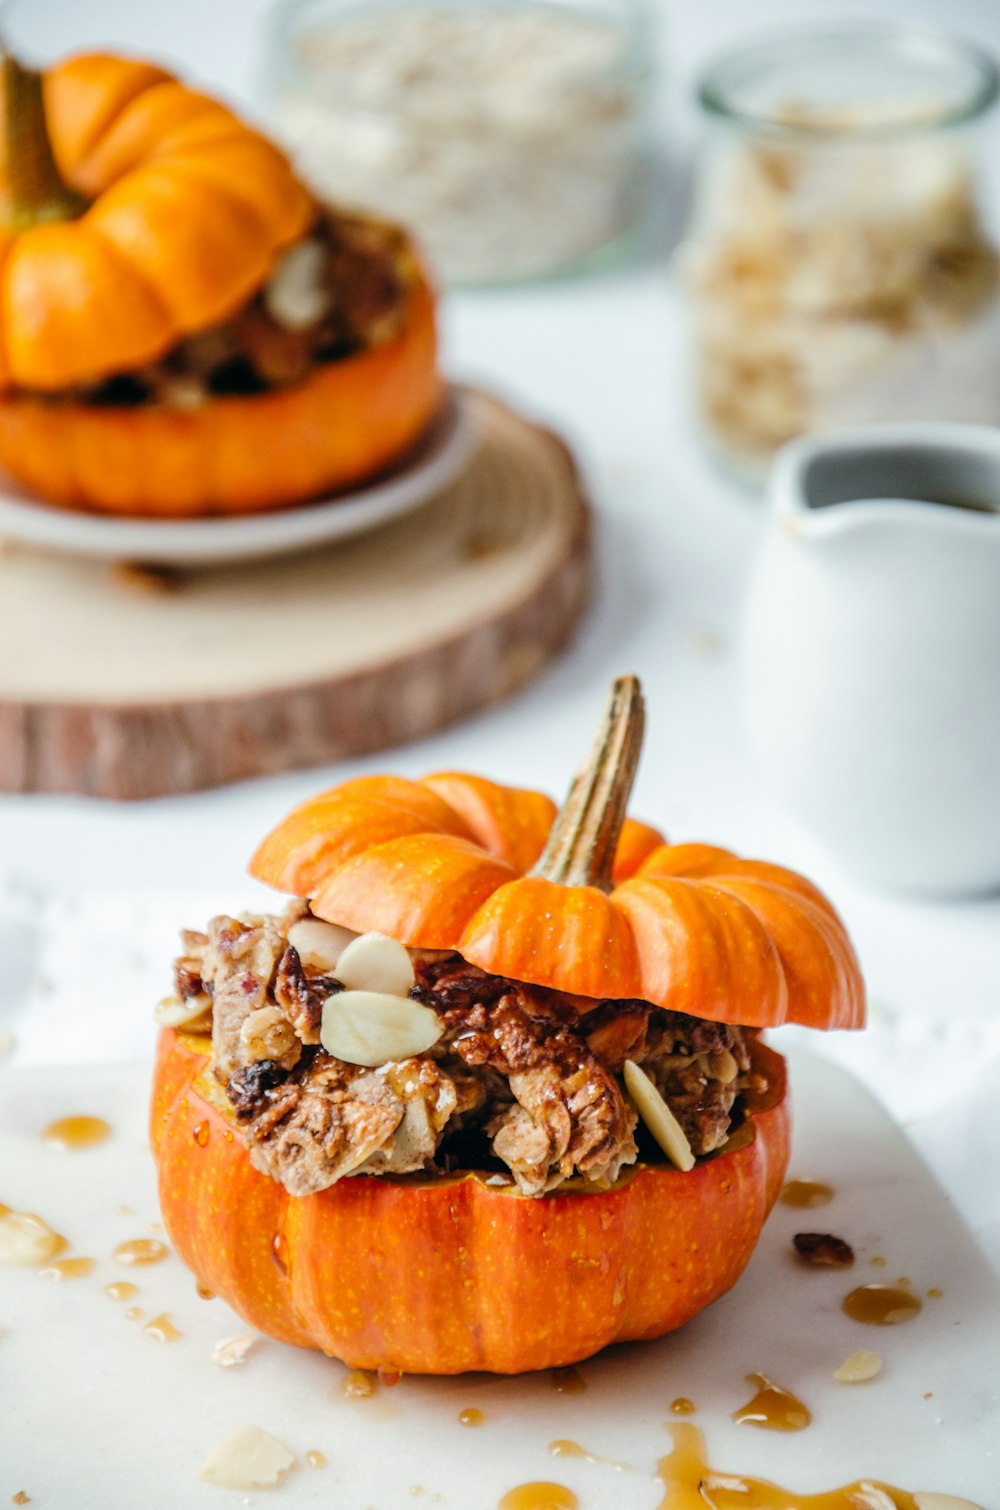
(118, 683)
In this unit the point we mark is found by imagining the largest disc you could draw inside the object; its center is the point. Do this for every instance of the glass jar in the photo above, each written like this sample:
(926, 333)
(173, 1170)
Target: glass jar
(508, 134)
(840, 266)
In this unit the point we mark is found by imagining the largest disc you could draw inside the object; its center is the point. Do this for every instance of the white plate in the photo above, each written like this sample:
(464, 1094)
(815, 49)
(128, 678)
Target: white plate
(188, 542)
(97, 1416)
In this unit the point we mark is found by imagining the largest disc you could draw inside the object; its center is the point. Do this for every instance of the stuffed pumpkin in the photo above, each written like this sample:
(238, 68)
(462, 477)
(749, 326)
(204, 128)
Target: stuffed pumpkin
(183, 328)
(491, 1093)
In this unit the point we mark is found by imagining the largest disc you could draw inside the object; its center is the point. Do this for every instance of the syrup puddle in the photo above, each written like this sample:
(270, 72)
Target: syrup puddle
(76, 1132)
(140, 1250)
(807, 1194)
(68, 1268)
(881, 1305)
(682, 1406)
(471, 1417)
(121, 1289)
(162, 1329)
(26, 1241)
(540, 1496)
(691, 1484)
(568, 1381)
(563, 1448)
(772, 1408)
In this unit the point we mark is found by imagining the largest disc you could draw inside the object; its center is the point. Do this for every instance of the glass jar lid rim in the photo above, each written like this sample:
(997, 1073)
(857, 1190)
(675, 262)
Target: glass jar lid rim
(716, 94)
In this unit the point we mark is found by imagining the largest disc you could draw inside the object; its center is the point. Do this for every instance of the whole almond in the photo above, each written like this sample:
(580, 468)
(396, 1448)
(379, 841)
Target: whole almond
(370, 1028)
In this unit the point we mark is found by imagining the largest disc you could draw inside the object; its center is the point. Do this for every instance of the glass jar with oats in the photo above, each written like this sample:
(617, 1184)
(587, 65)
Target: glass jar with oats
(509, 134)
(841, 267)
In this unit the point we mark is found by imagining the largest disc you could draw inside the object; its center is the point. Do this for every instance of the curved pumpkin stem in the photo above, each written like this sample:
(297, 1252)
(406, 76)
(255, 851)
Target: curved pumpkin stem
(35, 193)
(584, 837)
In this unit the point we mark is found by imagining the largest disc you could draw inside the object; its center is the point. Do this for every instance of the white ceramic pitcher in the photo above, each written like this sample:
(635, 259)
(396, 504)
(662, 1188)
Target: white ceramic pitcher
(872, 650)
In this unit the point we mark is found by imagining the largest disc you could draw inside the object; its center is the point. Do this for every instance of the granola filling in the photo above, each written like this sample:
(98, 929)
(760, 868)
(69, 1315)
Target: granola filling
(340, 290)
(524, 1082)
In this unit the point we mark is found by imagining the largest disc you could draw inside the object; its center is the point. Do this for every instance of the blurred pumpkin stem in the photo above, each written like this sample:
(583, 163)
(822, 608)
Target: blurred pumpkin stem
(35, 193)
(584, 838)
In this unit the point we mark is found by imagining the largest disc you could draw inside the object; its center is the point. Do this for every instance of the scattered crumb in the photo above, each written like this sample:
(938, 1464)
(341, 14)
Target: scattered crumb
(934, 1293)
(316, 1459)
(230, 1351)
(929, 1395)
(20, 1498)
(704, 640)
(878, 1262)
(859, 1367)
(140, 576)
(250, 1458)
(823, 1250)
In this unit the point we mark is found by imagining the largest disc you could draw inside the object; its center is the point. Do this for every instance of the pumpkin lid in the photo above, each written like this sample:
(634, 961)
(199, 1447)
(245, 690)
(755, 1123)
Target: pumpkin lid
(135, 212)
(584, 900)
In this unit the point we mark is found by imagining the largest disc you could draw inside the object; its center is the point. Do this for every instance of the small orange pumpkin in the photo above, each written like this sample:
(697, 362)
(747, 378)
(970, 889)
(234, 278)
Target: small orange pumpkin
(138, 212)
(446, 1274)
(588, 902)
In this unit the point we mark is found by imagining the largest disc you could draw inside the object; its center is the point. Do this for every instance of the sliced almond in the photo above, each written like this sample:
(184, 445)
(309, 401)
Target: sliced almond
(859, 1367)
(25, 1240)
(375, 962)
(319, 944)
(230, 1351)
(930, 1501)
(658, 1117)
(370, 1028)
(193, 1013)
(249, 1459)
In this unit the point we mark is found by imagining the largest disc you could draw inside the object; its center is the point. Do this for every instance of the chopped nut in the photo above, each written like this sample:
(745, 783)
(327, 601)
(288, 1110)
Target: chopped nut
(823, 1250)
(231, 1351)
(20, 1498)
(375, 962)
(723, 1066)
(319, 944)
(267, 1034)
(658, 1117)
(192, 1013)
(249, 1459)
(371, 1029)
(859, 1367)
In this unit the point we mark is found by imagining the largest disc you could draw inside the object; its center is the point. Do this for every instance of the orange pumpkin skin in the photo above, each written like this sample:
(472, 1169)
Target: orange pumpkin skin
(187, 209)
(341, 425)
(429, 1276)
(441, 864)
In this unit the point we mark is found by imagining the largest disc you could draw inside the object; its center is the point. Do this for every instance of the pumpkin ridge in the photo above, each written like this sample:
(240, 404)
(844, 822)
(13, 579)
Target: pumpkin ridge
(144, 76)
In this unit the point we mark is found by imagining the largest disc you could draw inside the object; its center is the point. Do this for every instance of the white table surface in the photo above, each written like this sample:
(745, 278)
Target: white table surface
(91, 892)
